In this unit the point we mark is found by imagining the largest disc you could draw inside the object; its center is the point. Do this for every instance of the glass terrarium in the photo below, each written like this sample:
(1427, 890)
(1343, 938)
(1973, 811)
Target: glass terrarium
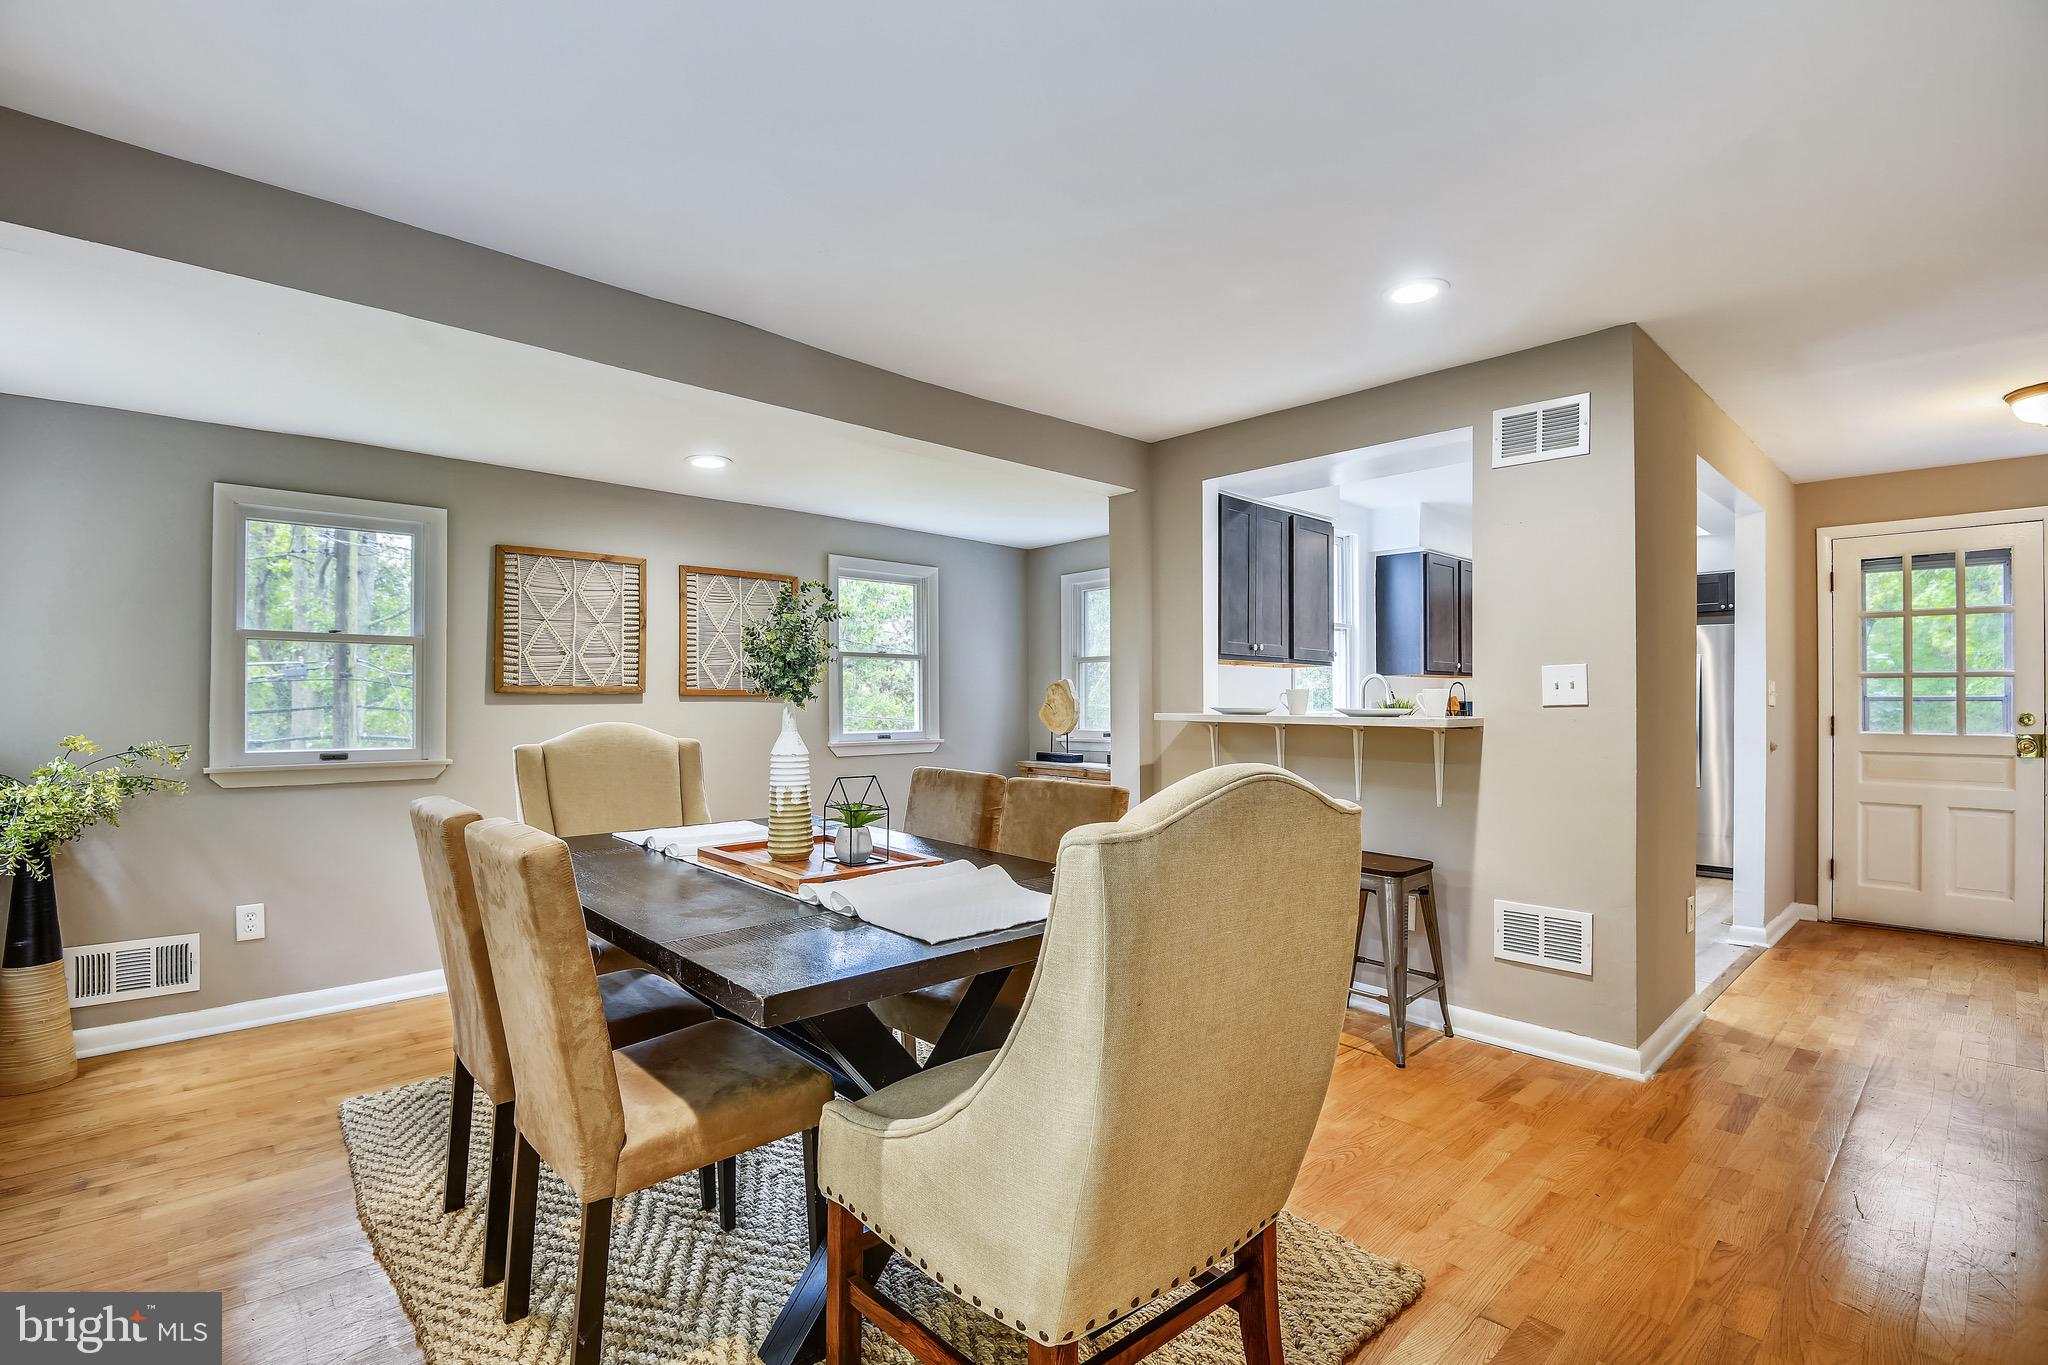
(855, 811)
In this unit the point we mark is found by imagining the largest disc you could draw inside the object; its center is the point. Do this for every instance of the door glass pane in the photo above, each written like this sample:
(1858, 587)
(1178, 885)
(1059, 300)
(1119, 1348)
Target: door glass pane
(1884, 645)
(1987, 578)
(877, 616)
(1883, 588)
(1934, 706)
(1934, 582)
(1987, 640)
(879, 696)
(1934, 644)
(1884, 687)
(298, 577)
(1883, 717)
(1987, 706)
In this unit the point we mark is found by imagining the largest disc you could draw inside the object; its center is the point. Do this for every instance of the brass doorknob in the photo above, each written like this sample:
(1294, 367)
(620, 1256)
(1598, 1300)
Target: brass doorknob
(2028, 746)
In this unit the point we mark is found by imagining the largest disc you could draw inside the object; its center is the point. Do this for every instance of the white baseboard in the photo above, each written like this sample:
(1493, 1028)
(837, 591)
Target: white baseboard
(1780, 925)
(278, 1009)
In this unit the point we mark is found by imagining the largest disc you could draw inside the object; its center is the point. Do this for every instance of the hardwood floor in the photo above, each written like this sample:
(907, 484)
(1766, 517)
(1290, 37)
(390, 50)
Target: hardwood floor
(1847, 1161)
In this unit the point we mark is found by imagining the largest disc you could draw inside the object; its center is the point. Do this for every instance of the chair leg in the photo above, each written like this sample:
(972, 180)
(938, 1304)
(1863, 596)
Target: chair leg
(1258, 1307)
(707, 1187)
(519, 1236)
(842, 1260)
(1426, 893)
(729, 1193)
(498, 1199)
(592, 1260)
(814, 1198)
(1394, 932)
(460, 1097)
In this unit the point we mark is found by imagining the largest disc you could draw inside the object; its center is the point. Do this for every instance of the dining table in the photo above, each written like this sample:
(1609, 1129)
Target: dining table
(805, 976)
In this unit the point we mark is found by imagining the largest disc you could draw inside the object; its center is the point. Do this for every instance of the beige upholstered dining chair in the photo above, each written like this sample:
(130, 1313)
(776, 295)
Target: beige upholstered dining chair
(954, 806)
(637, 1005)
(611, 1120)
(1037, 813)
(602, 778)
(1105, 1155)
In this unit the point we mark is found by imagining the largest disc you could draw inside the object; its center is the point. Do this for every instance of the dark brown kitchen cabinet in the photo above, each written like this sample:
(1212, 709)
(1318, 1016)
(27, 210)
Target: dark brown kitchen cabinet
(1273, 603)
(1422, 614)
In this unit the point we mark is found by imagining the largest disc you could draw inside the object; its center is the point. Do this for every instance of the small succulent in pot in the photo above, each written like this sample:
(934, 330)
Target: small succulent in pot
(854, 843)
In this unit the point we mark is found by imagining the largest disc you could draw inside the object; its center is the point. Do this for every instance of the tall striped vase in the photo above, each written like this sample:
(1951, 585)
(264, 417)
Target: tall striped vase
(789, 794)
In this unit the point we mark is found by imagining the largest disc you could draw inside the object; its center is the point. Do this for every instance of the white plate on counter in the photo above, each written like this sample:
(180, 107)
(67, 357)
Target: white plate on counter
(1373, 710)
(1242, 710)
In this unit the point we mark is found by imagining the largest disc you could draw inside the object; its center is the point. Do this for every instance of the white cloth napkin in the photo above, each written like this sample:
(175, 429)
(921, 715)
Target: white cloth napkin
(683, 841)
(934, 904)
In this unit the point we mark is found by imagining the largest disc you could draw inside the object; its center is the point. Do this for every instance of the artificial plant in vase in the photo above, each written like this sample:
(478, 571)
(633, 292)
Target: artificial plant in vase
(786, 657)
(54, 805)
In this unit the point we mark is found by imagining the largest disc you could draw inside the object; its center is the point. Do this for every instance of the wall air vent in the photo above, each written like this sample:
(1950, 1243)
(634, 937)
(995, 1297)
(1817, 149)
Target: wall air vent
(1543, 937)
(131, 970)
(1550, 430)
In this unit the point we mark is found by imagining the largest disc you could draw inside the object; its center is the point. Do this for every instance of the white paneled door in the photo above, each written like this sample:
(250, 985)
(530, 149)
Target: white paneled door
(1938, 784)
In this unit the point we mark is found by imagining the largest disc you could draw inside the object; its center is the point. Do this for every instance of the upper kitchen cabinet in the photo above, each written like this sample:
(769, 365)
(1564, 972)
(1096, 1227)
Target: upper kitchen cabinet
(1423, 614)
(1273, 602)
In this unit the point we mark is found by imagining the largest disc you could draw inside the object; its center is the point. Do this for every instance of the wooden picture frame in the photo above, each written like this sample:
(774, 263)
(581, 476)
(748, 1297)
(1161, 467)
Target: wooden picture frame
(548, 605)
(723, 600)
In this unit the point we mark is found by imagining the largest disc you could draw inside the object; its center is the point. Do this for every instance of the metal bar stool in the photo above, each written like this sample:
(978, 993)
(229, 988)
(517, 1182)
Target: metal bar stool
(1392, 879)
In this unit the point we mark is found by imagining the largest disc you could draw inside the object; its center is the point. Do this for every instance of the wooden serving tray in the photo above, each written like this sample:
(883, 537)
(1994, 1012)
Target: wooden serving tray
(750, 860)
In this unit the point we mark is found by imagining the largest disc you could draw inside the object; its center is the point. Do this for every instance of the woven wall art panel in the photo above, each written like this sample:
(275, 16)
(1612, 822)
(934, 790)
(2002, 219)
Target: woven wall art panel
(568, 622)
(716, 605)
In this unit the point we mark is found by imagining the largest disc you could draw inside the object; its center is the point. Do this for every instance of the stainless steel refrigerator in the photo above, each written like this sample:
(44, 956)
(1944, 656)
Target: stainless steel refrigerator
(1714, 762)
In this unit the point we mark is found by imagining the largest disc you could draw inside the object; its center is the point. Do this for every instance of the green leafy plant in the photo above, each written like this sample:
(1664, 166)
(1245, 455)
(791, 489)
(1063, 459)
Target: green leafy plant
(64, 798)
(786, 655)
(857, 814)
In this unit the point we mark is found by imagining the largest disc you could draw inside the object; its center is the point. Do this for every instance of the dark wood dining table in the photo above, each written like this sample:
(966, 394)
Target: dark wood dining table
(805, 976)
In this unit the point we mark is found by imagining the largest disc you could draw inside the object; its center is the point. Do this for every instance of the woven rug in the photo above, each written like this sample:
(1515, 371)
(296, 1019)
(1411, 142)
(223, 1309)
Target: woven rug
(682, 1290)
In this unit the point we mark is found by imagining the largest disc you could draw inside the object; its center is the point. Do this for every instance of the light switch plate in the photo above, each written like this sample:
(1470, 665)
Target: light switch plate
(1564, 684)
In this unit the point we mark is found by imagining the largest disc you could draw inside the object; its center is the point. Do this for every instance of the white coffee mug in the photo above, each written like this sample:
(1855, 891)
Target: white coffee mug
(1433, 702)
(1295, 699)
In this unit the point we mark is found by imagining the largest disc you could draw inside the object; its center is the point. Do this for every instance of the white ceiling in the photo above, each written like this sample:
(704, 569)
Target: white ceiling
(85, 323)
(1154, 217)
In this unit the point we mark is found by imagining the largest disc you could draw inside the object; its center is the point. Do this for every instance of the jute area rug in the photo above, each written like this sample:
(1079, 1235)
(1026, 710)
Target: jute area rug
(682, 1290)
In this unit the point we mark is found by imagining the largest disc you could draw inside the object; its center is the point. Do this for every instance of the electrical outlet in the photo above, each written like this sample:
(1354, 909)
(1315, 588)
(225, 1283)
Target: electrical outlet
(248, 922)
(1692, 912)
(1564, 684)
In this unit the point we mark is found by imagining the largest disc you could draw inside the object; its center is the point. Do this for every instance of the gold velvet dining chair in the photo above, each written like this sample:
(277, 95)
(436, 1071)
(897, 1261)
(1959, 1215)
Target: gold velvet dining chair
(1104, 1157)
(954, 805)
(636, 1005)
(1037, 812)
(611, 1120)
(607, 777)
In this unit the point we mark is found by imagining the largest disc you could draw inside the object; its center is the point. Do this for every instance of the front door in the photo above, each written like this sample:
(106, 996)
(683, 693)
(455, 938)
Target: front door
(1939, 654)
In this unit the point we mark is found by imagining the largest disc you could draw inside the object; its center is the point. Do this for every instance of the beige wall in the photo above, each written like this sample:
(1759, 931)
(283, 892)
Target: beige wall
(109, 530)
(1675, 421)
(61, 180)
(1953, 490)
(1540, 807)
(1042, 611)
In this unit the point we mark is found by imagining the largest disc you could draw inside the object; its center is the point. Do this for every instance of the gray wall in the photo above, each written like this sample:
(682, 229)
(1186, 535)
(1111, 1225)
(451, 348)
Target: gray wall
(1042, 570)
(108, 534)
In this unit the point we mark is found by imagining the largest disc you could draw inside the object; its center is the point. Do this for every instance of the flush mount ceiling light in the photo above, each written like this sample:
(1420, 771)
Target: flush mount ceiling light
(708, 460)
(1416, 291)
(2030, 404)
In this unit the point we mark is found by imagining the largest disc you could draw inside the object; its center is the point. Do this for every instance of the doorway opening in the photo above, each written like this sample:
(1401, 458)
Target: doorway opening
(1730, 730)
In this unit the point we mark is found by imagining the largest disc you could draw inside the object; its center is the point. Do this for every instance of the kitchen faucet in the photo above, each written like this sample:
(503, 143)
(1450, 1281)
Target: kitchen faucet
(1386, 690)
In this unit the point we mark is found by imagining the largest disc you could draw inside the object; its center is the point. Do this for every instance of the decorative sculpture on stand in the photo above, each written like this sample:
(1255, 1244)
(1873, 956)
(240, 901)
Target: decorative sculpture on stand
(1059, 713)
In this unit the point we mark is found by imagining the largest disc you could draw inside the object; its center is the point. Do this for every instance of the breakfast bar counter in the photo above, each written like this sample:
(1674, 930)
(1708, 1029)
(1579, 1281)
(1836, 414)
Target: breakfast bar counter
(1437, 727)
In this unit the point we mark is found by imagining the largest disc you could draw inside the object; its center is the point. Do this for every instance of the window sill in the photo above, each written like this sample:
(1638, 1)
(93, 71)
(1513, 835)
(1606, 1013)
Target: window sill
(853, 748)
(327, 774)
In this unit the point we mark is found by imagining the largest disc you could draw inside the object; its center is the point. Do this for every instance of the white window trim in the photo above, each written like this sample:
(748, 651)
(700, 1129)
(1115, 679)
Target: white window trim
(1072, 586)
(925, 578)
(229, 765)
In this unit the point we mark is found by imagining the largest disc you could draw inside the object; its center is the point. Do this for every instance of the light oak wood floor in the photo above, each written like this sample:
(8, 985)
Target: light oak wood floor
(1847, 1161)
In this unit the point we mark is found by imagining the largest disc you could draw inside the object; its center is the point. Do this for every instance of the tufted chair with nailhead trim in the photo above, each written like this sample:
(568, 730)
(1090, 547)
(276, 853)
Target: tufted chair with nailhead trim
(1109, 1152)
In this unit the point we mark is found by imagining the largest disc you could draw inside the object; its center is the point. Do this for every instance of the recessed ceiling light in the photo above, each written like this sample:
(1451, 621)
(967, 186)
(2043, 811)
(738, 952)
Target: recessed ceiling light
(1700, 530)
(2030, 404)
(1416, 291)
(708, 460)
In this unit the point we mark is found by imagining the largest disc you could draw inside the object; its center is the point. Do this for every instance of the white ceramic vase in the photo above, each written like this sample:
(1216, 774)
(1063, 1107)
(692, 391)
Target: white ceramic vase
(789, 794)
